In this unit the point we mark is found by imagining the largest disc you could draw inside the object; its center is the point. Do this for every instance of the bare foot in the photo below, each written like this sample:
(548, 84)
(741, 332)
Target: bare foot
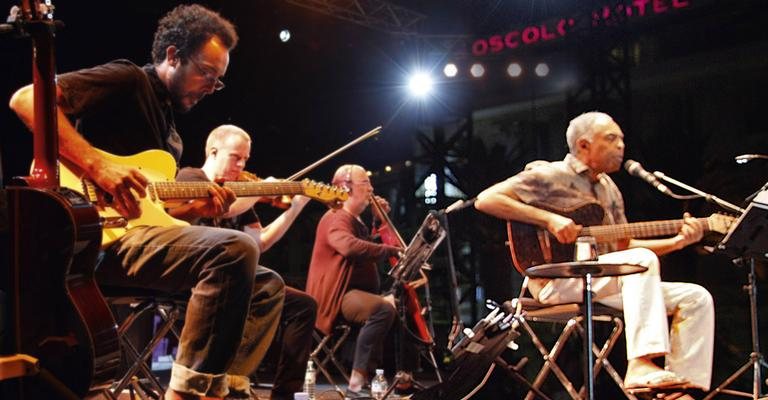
(356, 380)
(677, 396)
(638, 368)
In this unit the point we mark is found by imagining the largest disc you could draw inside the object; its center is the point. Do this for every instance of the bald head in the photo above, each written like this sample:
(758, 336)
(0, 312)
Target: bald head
(220, 134)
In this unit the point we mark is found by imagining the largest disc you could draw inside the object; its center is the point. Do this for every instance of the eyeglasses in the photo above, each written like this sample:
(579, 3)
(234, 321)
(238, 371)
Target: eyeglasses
(209, 76)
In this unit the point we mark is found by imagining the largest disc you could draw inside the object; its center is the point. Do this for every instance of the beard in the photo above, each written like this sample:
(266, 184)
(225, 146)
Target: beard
(176, 90)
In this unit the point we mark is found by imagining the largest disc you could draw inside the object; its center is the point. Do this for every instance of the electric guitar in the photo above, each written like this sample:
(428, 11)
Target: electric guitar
(531, 245)
(159, 168)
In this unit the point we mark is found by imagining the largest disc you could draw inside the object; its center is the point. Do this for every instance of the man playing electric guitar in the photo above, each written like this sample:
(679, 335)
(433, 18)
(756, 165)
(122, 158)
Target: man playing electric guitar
(597, 148)
(122, 108)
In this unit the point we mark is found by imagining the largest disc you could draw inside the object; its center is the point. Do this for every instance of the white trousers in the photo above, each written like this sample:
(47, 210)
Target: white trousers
(646, 302)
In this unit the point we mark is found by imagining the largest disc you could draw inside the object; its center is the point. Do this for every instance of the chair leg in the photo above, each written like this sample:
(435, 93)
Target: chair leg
(326, 350)
(140, 360)
(550, 359)
(315, 356)
(601, 356)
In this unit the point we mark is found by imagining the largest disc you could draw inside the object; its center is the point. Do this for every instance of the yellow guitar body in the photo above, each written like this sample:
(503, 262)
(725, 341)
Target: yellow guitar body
(156, 165)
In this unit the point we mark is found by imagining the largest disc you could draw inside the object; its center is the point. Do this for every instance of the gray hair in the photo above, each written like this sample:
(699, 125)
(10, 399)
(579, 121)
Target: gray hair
(221, 133)
(581, 126)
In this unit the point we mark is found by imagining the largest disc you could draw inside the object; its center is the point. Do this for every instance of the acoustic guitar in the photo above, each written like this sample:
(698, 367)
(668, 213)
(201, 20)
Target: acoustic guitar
(532, 245)
(53, 314)
(159, 167)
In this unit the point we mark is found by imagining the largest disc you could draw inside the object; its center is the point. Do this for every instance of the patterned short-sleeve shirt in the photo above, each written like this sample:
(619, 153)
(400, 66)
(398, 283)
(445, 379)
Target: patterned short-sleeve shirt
(567, 184)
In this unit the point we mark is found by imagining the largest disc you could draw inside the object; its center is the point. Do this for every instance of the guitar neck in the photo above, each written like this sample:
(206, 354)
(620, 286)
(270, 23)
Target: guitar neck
(612, 233)
(196, 190)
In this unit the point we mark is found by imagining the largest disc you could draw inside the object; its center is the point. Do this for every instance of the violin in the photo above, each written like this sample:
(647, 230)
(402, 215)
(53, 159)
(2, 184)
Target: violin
(390, 236)
(281, 202)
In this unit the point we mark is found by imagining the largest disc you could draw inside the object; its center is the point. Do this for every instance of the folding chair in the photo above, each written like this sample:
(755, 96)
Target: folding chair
(138, 378)
(570, 314)
(326, 349)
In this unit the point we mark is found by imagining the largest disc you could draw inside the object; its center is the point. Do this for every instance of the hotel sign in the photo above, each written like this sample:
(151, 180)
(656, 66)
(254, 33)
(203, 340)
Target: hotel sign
(562, 27)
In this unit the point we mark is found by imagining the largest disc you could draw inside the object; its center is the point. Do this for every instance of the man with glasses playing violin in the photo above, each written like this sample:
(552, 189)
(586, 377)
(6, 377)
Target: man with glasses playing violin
(124, 109)
(343, 276)
(227, 149)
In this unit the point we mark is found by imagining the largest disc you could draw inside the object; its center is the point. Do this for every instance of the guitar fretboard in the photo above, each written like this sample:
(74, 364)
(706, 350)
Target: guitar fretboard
(611, 233)
(196, 190)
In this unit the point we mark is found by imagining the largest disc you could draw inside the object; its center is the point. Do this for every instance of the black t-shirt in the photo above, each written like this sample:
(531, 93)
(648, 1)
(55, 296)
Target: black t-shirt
(121, 108)
(189, 174)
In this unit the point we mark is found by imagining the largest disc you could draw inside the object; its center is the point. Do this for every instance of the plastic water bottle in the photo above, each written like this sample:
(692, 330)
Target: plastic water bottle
(379, 385)
(309, 380)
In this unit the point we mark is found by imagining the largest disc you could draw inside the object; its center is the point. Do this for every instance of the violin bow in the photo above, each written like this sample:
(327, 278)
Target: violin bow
(373, 132)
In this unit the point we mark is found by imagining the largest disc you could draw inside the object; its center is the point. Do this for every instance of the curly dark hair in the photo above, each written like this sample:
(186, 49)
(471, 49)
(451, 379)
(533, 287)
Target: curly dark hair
(188, 27)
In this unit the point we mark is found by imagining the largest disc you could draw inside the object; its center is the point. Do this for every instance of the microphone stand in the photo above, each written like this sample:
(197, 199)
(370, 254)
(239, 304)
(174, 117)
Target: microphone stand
(457, 325)
(706, 196)
(756, 359)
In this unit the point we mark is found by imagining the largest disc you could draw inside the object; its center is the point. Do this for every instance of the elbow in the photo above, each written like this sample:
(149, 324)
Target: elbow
(22, 103)
(482, 202)
(21, 100)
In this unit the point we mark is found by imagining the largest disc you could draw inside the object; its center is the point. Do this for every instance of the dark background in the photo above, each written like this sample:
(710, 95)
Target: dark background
(696, 98)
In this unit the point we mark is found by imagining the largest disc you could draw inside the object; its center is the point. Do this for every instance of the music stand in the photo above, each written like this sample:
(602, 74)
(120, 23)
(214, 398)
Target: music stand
(415, 256)
(746, 241)
(408, 268)
(585, 270)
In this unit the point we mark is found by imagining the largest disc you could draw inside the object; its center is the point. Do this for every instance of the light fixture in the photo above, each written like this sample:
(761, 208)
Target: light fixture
(420, 84)
(450, 70)
(477, 70)
(285, 35)
(542, 70)
(514, 70)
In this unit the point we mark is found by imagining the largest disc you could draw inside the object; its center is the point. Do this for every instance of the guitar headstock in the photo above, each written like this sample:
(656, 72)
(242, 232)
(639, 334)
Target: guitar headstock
(720, 223)
(333, 196)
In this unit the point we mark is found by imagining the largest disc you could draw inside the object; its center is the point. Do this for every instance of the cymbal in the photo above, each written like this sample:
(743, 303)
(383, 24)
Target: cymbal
(578, 269)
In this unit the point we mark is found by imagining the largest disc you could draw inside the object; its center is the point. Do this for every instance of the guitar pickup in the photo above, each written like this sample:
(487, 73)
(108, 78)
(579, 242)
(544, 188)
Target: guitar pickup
(113, 222)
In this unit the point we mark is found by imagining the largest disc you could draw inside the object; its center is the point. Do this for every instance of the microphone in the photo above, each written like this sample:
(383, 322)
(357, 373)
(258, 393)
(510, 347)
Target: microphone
(635, 169)
(745, 158)
(460, 205)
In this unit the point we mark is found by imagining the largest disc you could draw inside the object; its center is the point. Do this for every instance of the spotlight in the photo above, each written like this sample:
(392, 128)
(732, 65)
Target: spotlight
(387, 168)
(542, 70)
(420, 84)
(285, 35)
(514, 70)
(450, 70)
(477, 70)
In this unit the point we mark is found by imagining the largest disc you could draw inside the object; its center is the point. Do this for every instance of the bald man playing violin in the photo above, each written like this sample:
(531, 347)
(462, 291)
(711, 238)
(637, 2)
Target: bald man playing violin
(343, 277)
(227, 149)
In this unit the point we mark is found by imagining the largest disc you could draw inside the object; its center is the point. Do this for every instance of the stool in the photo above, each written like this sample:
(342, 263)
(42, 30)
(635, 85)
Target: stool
(325, 351)
(138, 378)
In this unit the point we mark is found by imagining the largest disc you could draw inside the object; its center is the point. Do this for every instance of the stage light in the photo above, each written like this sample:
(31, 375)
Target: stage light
(387, 168)
(542, 70)
(420, 84)
(450, 70)
(477, 70)
(285, 35)
(514, 70)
